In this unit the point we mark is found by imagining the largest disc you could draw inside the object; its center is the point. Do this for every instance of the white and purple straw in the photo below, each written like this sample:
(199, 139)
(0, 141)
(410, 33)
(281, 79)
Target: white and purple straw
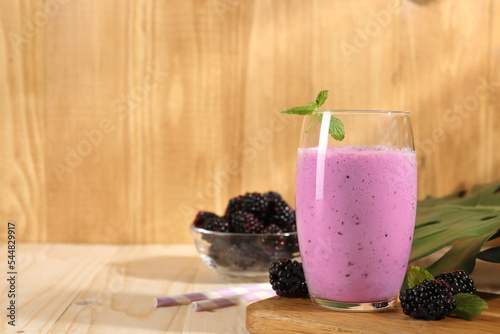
(210, 304)
(212, 294)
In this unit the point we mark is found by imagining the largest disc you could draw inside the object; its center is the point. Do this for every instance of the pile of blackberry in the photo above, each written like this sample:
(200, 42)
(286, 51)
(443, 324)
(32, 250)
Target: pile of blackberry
(252, 213)
(458, 281)
(287, 278)
(430, 300)
(433, 299)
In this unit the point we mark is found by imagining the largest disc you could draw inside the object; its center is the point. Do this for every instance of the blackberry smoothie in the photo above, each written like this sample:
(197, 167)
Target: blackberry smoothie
(355, 209)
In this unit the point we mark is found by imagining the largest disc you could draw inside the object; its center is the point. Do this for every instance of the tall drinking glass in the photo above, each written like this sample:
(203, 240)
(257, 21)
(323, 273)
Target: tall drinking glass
(355, 208)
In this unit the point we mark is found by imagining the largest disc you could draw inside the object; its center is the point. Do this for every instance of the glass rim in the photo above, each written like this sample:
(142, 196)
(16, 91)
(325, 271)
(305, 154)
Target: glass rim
(232, 234)
(346, 111)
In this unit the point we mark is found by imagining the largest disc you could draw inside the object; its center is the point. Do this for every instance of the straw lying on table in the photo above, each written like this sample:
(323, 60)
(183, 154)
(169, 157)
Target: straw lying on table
(211, 304)
(218, 295)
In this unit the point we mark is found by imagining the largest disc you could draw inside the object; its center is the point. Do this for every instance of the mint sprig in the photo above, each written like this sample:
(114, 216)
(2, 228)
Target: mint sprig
(468, 306)
(307, 110)
(321, 98)
(336, 128)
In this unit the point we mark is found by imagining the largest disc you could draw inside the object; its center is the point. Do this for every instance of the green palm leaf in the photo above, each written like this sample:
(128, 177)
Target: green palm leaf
(468, 222)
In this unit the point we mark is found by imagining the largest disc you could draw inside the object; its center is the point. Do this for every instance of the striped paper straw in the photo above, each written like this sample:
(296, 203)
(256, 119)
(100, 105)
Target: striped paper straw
(210, 304)
(212, 294)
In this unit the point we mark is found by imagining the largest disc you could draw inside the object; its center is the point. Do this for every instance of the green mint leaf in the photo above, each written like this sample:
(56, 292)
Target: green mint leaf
(321, 98)
(336, 129)
(469, 306)
(307, 110)
(417, 275)
(312, 122)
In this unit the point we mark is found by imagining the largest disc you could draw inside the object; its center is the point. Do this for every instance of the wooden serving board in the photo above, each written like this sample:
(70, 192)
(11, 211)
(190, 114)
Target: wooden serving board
(300, 315)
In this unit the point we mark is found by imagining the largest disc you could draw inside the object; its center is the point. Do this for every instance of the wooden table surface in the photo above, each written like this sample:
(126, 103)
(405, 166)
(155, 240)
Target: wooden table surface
(66, 288)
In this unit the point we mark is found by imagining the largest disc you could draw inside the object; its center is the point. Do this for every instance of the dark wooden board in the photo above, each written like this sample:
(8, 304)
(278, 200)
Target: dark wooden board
(300, 315)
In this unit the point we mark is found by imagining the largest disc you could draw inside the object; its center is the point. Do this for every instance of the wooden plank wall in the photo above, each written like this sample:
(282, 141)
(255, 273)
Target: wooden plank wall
(121, 119)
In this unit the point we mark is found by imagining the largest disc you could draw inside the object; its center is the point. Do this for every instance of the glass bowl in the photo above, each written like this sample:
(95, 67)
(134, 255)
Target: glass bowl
(244, 257)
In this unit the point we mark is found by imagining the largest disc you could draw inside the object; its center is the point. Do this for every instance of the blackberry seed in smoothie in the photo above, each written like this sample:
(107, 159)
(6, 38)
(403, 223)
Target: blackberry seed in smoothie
(355, 220)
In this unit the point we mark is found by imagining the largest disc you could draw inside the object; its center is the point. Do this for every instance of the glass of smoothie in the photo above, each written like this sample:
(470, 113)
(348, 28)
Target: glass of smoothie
(355, 208)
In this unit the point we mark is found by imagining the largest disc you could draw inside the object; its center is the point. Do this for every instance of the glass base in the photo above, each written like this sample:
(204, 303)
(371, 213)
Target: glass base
(354, 307)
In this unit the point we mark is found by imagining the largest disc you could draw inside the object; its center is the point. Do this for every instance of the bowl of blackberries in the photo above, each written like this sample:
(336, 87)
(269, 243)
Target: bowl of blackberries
(255, 230)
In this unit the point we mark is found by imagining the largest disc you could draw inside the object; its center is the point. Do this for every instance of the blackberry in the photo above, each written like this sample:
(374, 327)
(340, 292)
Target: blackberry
(280, 213)
(218, 224)
(280, 244)
(430, 300)
(272, 228)
(237, 221)
(265, 209)
(271, 195)
(235, 204)
(287, 278)
(236, 256)
(274, 244)
(290, 227)
(203, 218)
(245, 222)
(252, 225)
(254, 203)
(458, 281)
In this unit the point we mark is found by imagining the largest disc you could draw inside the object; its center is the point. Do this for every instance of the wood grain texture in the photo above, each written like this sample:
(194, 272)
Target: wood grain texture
(445, 63)
(492, 119)
(122, 119)
(300, 315)
(49, 278)
(22, 130)
(68, 288)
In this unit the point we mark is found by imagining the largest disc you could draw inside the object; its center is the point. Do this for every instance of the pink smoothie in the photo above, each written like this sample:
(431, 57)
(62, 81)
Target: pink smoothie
(355, 224)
